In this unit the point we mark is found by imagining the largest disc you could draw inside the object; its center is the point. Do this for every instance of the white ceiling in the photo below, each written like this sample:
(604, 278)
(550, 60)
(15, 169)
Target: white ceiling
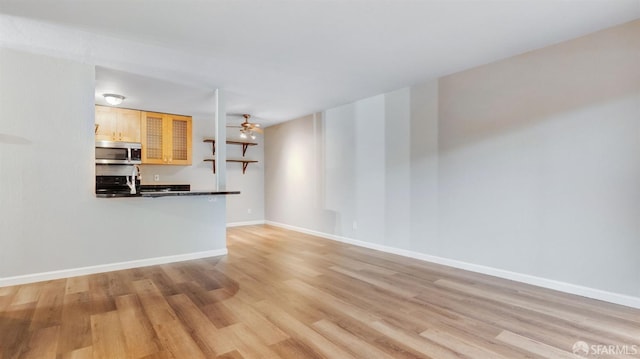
(283, 59)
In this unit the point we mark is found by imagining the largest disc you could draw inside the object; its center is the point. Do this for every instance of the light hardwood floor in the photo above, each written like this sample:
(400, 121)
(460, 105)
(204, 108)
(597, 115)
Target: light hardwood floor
(283, 294)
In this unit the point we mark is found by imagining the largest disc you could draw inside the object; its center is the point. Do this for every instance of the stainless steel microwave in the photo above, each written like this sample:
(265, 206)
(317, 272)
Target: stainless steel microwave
(118, 153)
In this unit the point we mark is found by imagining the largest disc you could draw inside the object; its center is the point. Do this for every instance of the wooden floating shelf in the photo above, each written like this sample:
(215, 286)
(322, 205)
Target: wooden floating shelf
(244, 162)
(244, 144)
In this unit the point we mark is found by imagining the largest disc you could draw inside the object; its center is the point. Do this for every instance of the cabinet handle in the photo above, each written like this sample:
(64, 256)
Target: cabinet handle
(113, 135)
(170, 159)
(120, 135)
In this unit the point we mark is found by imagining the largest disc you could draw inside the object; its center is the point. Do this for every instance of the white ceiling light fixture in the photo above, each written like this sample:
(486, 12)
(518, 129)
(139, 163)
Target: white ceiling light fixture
(244, 133)
(113, 99)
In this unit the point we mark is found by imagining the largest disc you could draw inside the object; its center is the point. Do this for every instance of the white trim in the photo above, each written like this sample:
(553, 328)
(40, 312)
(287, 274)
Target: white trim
(588, 292)
(101, 268)
(247, 223)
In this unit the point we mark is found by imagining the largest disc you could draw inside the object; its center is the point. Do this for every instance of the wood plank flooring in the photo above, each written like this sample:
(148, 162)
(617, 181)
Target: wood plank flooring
(283, 294)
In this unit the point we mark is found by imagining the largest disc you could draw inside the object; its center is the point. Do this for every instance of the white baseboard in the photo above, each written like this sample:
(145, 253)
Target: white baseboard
(74, 272)
(588, 292)
(247, 223)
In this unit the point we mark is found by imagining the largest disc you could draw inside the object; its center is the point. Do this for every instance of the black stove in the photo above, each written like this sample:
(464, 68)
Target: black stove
(115, 186)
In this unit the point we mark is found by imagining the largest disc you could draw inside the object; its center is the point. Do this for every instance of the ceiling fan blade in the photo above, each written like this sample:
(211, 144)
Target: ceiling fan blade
(249, 126)
(258, 130)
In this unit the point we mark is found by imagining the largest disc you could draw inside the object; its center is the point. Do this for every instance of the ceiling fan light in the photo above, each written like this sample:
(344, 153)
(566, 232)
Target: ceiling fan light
(243, 135)
(253, 137)
(113, 99)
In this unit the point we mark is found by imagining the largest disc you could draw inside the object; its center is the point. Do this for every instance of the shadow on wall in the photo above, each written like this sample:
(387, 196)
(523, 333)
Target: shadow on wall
(521, 91)
(13, 140)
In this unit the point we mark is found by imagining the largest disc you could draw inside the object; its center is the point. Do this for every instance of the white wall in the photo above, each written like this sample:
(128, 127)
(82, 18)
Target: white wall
(50, 218)
(529, 165)
(290, 163)
(423, 159)
(539, 162)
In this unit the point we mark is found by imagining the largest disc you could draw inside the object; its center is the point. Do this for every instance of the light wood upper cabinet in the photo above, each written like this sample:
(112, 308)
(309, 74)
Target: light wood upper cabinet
(117, 124)
(166, 139)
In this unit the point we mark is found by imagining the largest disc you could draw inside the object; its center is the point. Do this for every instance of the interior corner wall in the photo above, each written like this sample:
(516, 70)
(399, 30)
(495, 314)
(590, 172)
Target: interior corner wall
(423, 159)
(50, 219)
(529, 165)
(290, 163)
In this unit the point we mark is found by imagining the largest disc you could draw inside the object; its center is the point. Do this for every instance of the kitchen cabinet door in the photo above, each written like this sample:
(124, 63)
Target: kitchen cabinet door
(128, 125)
(153, 138)
(166, 139)
(179, 144)
(105, 127)
(117, 124)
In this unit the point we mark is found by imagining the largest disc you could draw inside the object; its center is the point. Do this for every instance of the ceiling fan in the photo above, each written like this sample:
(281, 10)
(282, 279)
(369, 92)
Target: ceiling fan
(248, 129)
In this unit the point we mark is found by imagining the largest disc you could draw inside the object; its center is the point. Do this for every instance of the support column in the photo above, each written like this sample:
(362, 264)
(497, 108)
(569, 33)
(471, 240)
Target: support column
(221, 140)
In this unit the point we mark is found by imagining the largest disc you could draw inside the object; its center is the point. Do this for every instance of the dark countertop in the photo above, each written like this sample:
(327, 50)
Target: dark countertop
(164, 187)
(186, 193)
(166, 190)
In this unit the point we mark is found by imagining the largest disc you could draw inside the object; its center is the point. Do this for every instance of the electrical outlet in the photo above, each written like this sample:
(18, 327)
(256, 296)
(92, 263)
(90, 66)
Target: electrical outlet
(249, 211)
(355, 225)
(156, 178)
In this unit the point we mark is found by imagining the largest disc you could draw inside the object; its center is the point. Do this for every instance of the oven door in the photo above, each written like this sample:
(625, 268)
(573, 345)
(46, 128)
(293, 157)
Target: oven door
(112, 180)
(115, 186)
